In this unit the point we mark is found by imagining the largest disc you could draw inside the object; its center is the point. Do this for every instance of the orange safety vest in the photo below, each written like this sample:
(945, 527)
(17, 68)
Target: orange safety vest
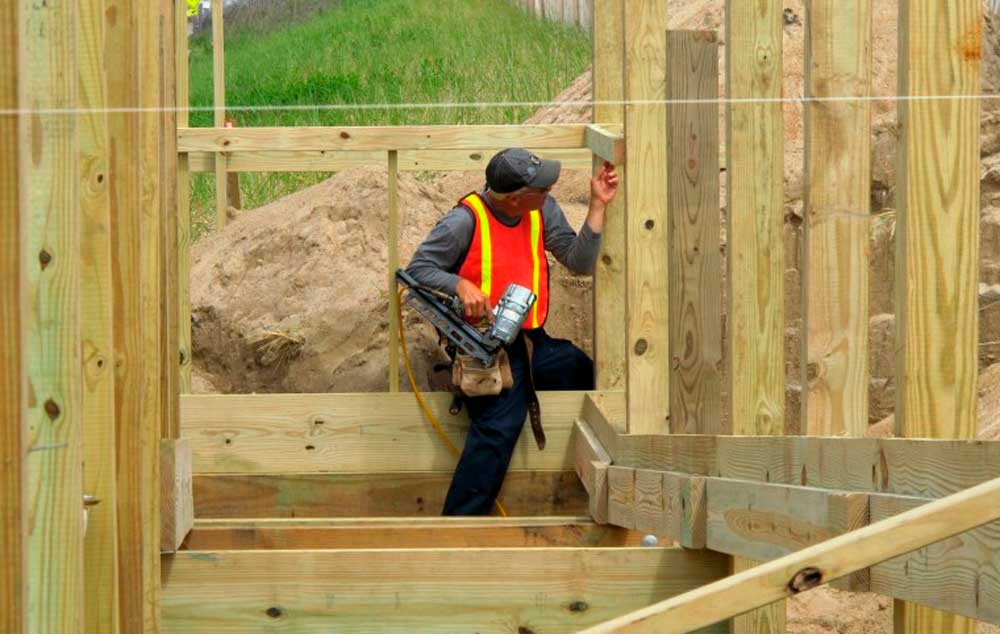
(500, 255)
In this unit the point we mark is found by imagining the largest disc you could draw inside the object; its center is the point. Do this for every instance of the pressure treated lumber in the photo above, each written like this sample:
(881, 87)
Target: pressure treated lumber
(392, 239)
(123, 138)
(348, 433)
(591, 462)
(937, 237)
(177, 518)
(694, 260)
(53, 416)
(184, 169)
(609, 271)
(431, 532)
(398, 494)
(484, 590)
(837, 216)
(605, 143)
(219, 109)
(339, 160)
(100, 590)
(646, 276)
(815, 565)
(442, 137)
(13, 379)
(168, 158)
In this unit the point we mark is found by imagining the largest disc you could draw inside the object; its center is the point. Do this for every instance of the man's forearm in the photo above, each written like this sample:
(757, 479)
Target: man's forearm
(595, 216)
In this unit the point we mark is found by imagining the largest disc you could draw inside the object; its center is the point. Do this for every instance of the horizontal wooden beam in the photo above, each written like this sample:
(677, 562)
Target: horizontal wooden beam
(606, 142)
(436, 532)
(352, 433)
(176, 498)
(813, 566)
(400, 494)
(437, 137)
(490, 591)
(409, 160)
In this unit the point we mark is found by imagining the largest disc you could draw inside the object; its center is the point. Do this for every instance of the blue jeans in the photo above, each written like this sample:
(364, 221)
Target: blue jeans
(556, 364)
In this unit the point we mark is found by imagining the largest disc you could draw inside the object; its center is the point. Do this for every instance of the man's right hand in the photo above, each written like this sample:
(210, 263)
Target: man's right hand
(475, 304)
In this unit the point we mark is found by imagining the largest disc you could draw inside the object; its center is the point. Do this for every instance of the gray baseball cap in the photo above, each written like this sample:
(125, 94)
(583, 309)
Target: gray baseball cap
(511, 169)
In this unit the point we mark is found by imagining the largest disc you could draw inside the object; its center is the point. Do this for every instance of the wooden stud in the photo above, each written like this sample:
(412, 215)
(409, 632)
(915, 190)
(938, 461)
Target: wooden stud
(123, 132)
(96, 318)
(177, 518)
(489, 590)
(399, 494)
(168, 162)
(621, 496)
(837, 217)
(755, 223)
(814, 566)
(13, 369)
(556, 136)
(393, 245)
(219, 101)
(591, 462)
(606, 144)
(937, 237)
(184, 169)
(694, 260)
(49, 191)
(647, 287)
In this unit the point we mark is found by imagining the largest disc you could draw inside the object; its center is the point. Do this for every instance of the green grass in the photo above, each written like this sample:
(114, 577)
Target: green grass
(383, 52)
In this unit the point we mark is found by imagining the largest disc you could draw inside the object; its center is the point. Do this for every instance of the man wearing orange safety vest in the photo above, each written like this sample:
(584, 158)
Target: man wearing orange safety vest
(492, 238)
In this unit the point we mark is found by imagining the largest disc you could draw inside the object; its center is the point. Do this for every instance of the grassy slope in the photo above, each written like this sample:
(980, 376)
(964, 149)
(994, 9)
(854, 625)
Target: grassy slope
(384, 52)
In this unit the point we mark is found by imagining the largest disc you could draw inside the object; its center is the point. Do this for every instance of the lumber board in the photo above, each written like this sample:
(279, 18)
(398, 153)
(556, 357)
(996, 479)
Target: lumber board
(13, 396)
(100, 590)
(219, 110)
(646, 276)
(381, 138)
(123, 134)
(184, 170)
(168, 162)
(399, 494)
(485, 590)
(53, 418)
(837, 199)
(621, 496)
(958, 575)
(392, 239)
(409, 160)
(755, 217)
(350, 433)
(694, 258)
(609, 272)
(430, 532)
(937, 237)
(591, 464)
(176, 494)
(605, 143)
(815, 565)
(670, 505)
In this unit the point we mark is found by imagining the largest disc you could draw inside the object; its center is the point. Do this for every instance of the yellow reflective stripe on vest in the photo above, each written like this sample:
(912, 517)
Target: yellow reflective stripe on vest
(486, 250)
(536, 271)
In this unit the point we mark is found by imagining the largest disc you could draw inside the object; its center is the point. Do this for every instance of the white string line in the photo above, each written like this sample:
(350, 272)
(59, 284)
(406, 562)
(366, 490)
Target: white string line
(498, 104)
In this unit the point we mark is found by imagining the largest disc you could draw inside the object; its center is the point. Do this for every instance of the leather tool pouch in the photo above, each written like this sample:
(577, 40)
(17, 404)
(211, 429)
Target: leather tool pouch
(475, 379)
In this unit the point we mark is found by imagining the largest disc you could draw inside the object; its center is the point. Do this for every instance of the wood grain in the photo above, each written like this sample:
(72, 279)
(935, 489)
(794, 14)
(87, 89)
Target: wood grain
(621, 496)
(177, 518)
(837, 217)
(486, 590)
(937, 237)
(695, 263)
(399, 494)
(345, 433)
(184, 169)
(169, 232)
(13, 371)
(647, 224)
(609, 272)
(219, 110)
(53, 419)
(392, 239)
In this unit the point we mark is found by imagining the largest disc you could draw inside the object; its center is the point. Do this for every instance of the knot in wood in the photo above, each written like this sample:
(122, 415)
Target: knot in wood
(578, 606)
(52, 409)
(806, 579)
(274, 613)
(641, 346)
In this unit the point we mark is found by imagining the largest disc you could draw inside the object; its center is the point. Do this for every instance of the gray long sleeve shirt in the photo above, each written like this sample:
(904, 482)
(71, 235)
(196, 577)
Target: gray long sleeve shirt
(439, 257)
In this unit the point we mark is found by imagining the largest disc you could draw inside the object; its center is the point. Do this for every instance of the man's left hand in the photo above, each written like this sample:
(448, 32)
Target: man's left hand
(604, 184)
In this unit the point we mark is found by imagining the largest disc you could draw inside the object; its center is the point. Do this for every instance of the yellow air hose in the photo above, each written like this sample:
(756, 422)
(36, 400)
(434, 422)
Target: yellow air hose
(420, 397)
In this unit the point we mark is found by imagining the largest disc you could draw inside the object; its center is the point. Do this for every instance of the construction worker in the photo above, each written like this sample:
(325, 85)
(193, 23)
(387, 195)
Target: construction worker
(492, 238)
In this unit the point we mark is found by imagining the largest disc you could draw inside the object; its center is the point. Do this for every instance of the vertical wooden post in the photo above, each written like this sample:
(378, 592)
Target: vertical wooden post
(393, 241)
(167, 147)
(13, 396)
(219, 83)
(101, 541)
(937, 238)
(647, 318)
(53, 418)
(152, 53)
(609, 274)
(694, 260)
(183, 201)
(123, 131)
(754, 226)
(837, 218)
